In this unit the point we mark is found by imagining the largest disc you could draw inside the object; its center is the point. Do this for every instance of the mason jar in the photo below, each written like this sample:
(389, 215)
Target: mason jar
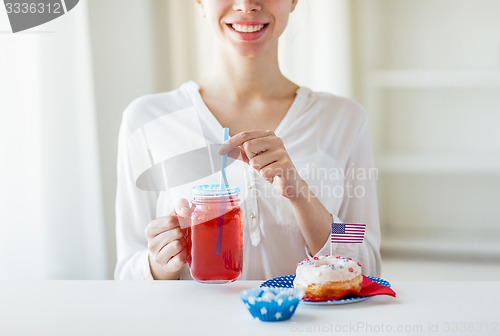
(215, 237)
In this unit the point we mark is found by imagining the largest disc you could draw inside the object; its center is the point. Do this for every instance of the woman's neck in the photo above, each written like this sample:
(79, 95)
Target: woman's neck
(239, 78)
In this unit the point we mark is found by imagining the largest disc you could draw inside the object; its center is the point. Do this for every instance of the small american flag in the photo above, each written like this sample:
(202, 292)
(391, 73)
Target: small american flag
(347, 233)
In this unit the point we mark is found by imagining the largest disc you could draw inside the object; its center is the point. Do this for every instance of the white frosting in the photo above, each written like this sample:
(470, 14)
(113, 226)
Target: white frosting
(322, 269)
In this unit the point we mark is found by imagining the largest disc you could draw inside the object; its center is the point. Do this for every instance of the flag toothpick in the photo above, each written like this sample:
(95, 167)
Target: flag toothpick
(344, 233)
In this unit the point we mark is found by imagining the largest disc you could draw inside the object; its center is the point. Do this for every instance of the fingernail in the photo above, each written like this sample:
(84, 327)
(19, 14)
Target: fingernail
(184, 212)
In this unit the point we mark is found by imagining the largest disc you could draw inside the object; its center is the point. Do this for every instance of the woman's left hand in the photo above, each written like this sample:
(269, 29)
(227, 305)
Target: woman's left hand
(266, 153)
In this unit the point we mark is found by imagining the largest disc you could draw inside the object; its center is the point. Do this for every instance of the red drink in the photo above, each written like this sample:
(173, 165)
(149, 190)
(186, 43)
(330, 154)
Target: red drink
(216, 237)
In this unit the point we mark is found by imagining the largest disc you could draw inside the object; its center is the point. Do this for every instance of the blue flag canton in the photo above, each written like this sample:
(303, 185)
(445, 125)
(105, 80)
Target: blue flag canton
(338, 228)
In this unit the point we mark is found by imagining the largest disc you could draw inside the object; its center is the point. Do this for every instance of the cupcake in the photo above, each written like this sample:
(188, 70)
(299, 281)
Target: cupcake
(270, 304)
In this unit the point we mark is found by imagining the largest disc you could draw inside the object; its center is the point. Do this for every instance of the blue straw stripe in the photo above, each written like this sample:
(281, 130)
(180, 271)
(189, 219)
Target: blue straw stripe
(223, 186)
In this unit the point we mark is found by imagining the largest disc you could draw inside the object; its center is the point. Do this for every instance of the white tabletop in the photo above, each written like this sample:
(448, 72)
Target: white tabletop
(189, 308)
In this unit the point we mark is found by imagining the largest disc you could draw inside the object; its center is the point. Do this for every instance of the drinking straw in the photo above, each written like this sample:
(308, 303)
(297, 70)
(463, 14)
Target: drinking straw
(223, 177)
(223, 187)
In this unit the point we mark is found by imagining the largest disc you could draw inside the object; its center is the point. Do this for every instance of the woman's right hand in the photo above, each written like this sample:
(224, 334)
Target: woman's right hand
(167, 243)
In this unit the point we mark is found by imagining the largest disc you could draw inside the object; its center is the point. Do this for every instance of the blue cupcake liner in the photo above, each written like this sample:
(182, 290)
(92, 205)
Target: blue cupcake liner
(270, 304)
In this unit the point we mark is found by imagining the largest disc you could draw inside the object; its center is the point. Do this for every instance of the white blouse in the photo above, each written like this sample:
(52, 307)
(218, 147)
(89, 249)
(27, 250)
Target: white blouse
(326, 137)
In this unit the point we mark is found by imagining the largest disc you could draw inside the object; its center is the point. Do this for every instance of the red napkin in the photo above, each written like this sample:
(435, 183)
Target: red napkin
(368, 288)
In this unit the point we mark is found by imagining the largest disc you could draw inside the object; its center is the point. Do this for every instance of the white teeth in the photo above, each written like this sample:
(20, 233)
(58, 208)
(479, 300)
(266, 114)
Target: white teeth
(246, 28)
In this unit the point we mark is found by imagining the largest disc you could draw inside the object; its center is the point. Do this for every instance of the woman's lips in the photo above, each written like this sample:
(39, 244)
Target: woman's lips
(247, 31)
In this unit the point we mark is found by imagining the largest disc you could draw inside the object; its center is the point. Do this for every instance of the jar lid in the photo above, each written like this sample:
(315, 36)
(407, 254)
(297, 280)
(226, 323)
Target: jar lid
(214, 191)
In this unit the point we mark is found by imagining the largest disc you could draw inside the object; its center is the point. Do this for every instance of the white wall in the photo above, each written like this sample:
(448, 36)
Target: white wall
(315, 49)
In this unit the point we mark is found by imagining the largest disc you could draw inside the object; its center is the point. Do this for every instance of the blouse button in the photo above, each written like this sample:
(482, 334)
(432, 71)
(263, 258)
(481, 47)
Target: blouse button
(252, 215)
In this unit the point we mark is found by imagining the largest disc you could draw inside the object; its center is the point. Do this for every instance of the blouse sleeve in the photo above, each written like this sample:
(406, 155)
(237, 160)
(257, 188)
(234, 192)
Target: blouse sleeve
(135, 208)
(360, 205)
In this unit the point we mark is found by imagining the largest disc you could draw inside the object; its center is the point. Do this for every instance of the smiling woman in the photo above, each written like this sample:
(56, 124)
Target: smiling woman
(274, 124)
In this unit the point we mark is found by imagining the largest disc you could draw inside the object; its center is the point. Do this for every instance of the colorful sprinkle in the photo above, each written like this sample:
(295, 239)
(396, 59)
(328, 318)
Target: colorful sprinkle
(351, 269)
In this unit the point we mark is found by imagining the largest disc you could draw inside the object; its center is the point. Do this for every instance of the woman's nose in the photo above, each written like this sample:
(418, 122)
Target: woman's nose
(247, 6)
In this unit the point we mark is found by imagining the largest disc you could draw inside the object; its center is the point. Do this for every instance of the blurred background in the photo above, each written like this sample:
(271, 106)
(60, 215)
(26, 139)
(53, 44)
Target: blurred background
(427, 71)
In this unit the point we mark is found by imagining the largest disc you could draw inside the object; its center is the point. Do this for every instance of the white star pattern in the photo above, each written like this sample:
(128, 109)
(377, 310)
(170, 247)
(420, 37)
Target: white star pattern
(263, 310)
(280, 301)
(291, 308)
(277, 315)
(251, 300)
